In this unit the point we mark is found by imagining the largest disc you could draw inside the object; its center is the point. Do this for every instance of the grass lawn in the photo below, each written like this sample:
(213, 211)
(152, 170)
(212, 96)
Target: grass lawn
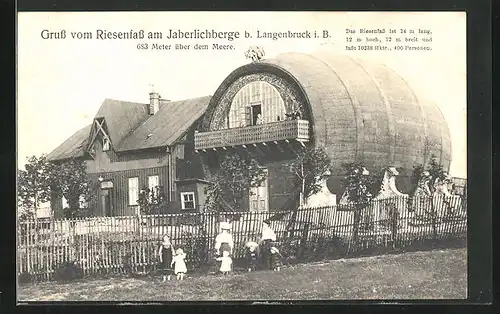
(439, 274)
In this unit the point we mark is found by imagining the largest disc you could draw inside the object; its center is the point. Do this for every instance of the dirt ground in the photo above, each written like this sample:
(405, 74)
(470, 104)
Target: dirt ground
(438, 274)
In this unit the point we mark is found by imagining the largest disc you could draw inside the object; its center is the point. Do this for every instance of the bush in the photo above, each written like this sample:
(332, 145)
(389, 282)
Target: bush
(195, 246)
(68, 271)
(317, 247)
(289, 249)
(172, 207)
(321, 247)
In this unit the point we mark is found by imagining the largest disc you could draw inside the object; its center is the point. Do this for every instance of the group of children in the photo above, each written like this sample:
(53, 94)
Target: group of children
(173, 261)
(170, 258)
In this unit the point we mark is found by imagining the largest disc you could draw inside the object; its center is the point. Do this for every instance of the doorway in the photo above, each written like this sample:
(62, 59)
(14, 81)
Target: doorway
(256, 113)
(107, 202)
(252, 114)
(259, 197)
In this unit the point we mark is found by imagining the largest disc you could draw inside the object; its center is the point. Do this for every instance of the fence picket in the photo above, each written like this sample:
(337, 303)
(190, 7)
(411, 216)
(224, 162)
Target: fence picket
(103, 243)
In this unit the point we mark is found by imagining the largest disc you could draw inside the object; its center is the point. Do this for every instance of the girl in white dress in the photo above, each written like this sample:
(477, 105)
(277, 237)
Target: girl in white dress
(180, 264)
(226, 263)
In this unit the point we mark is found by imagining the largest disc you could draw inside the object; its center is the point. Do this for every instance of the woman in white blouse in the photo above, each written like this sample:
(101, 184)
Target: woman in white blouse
(224, 240)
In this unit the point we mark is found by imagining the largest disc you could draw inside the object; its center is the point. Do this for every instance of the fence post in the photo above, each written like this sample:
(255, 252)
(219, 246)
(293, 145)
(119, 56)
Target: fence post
(303, 241)
(394, 219)
(355, 230)
(433, 218)
(138, 229)
(292, 222)
(72, 243)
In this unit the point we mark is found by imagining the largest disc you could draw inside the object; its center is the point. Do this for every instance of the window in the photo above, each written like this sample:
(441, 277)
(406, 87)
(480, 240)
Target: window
(64, 203)
(187, 200)
(153, 187)
(259, 197)
(105, 144)
(133, 191)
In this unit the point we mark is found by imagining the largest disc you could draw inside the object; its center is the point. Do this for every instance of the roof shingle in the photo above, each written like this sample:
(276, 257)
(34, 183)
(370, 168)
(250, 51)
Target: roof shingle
(122, 117)
(72, 147)
(167, 125)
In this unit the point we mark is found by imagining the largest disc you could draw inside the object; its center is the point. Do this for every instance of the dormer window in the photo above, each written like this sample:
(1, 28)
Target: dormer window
(105, 144)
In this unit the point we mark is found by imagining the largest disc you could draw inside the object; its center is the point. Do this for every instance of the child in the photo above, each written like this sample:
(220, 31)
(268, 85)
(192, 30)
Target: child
(276, 262)
(180, 265)
(226, 262)
(252, 256)
(166, 253)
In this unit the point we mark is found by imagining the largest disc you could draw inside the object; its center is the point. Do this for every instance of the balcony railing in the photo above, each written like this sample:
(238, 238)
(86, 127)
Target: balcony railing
(268, 132)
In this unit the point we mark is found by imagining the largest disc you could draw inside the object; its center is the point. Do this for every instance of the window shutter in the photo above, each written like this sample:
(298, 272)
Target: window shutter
(248, 116)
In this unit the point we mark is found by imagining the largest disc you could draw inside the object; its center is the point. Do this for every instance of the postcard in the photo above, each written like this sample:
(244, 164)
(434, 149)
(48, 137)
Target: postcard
(241, 156)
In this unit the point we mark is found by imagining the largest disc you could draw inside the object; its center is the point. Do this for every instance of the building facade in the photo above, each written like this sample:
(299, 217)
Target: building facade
(356, 111)
(133, 146)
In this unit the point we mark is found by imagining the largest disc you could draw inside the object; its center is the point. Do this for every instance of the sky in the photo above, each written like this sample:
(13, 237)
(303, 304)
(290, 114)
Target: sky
(63, 82)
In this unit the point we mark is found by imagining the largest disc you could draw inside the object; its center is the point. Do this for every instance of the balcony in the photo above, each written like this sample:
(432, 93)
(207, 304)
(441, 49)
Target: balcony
(262, 133)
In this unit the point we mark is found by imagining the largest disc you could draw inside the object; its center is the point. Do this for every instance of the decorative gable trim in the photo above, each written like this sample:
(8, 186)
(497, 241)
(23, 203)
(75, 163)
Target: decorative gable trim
(99, 127)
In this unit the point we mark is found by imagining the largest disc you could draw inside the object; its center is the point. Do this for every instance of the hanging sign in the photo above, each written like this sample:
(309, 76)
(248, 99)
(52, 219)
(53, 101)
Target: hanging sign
(107, 185)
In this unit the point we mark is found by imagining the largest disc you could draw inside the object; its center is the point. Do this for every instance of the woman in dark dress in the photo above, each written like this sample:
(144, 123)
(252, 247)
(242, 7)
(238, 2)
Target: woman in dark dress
(266, 242)
(166, 253)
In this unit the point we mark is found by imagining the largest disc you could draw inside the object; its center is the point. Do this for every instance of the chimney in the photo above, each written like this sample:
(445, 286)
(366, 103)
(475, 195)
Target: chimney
(154, 102)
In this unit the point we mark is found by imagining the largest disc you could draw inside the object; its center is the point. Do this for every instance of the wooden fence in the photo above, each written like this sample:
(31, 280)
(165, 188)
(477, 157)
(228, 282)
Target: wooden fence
(119, 244)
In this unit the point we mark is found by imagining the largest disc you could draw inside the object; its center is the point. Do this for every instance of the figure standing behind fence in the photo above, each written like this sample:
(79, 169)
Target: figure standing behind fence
(226, 263)
(224, 240)
(265, 244)
(180, 264)
(166, 253)
(251, 255)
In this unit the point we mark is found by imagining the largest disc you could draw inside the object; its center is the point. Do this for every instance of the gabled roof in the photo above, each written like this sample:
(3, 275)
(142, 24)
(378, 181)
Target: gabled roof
(131, 127)
(122, 117)
(167, 125)
(73, 146)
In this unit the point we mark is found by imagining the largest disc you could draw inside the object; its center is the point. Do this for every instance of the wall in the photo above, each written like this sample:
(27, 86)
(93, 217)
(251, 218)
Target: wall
(118, 168)
(282, 192)
(190, 166)
(281, 189)
(104, 161)
(185, 163)
(193, 186)
(120, 187)
(202, 195)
